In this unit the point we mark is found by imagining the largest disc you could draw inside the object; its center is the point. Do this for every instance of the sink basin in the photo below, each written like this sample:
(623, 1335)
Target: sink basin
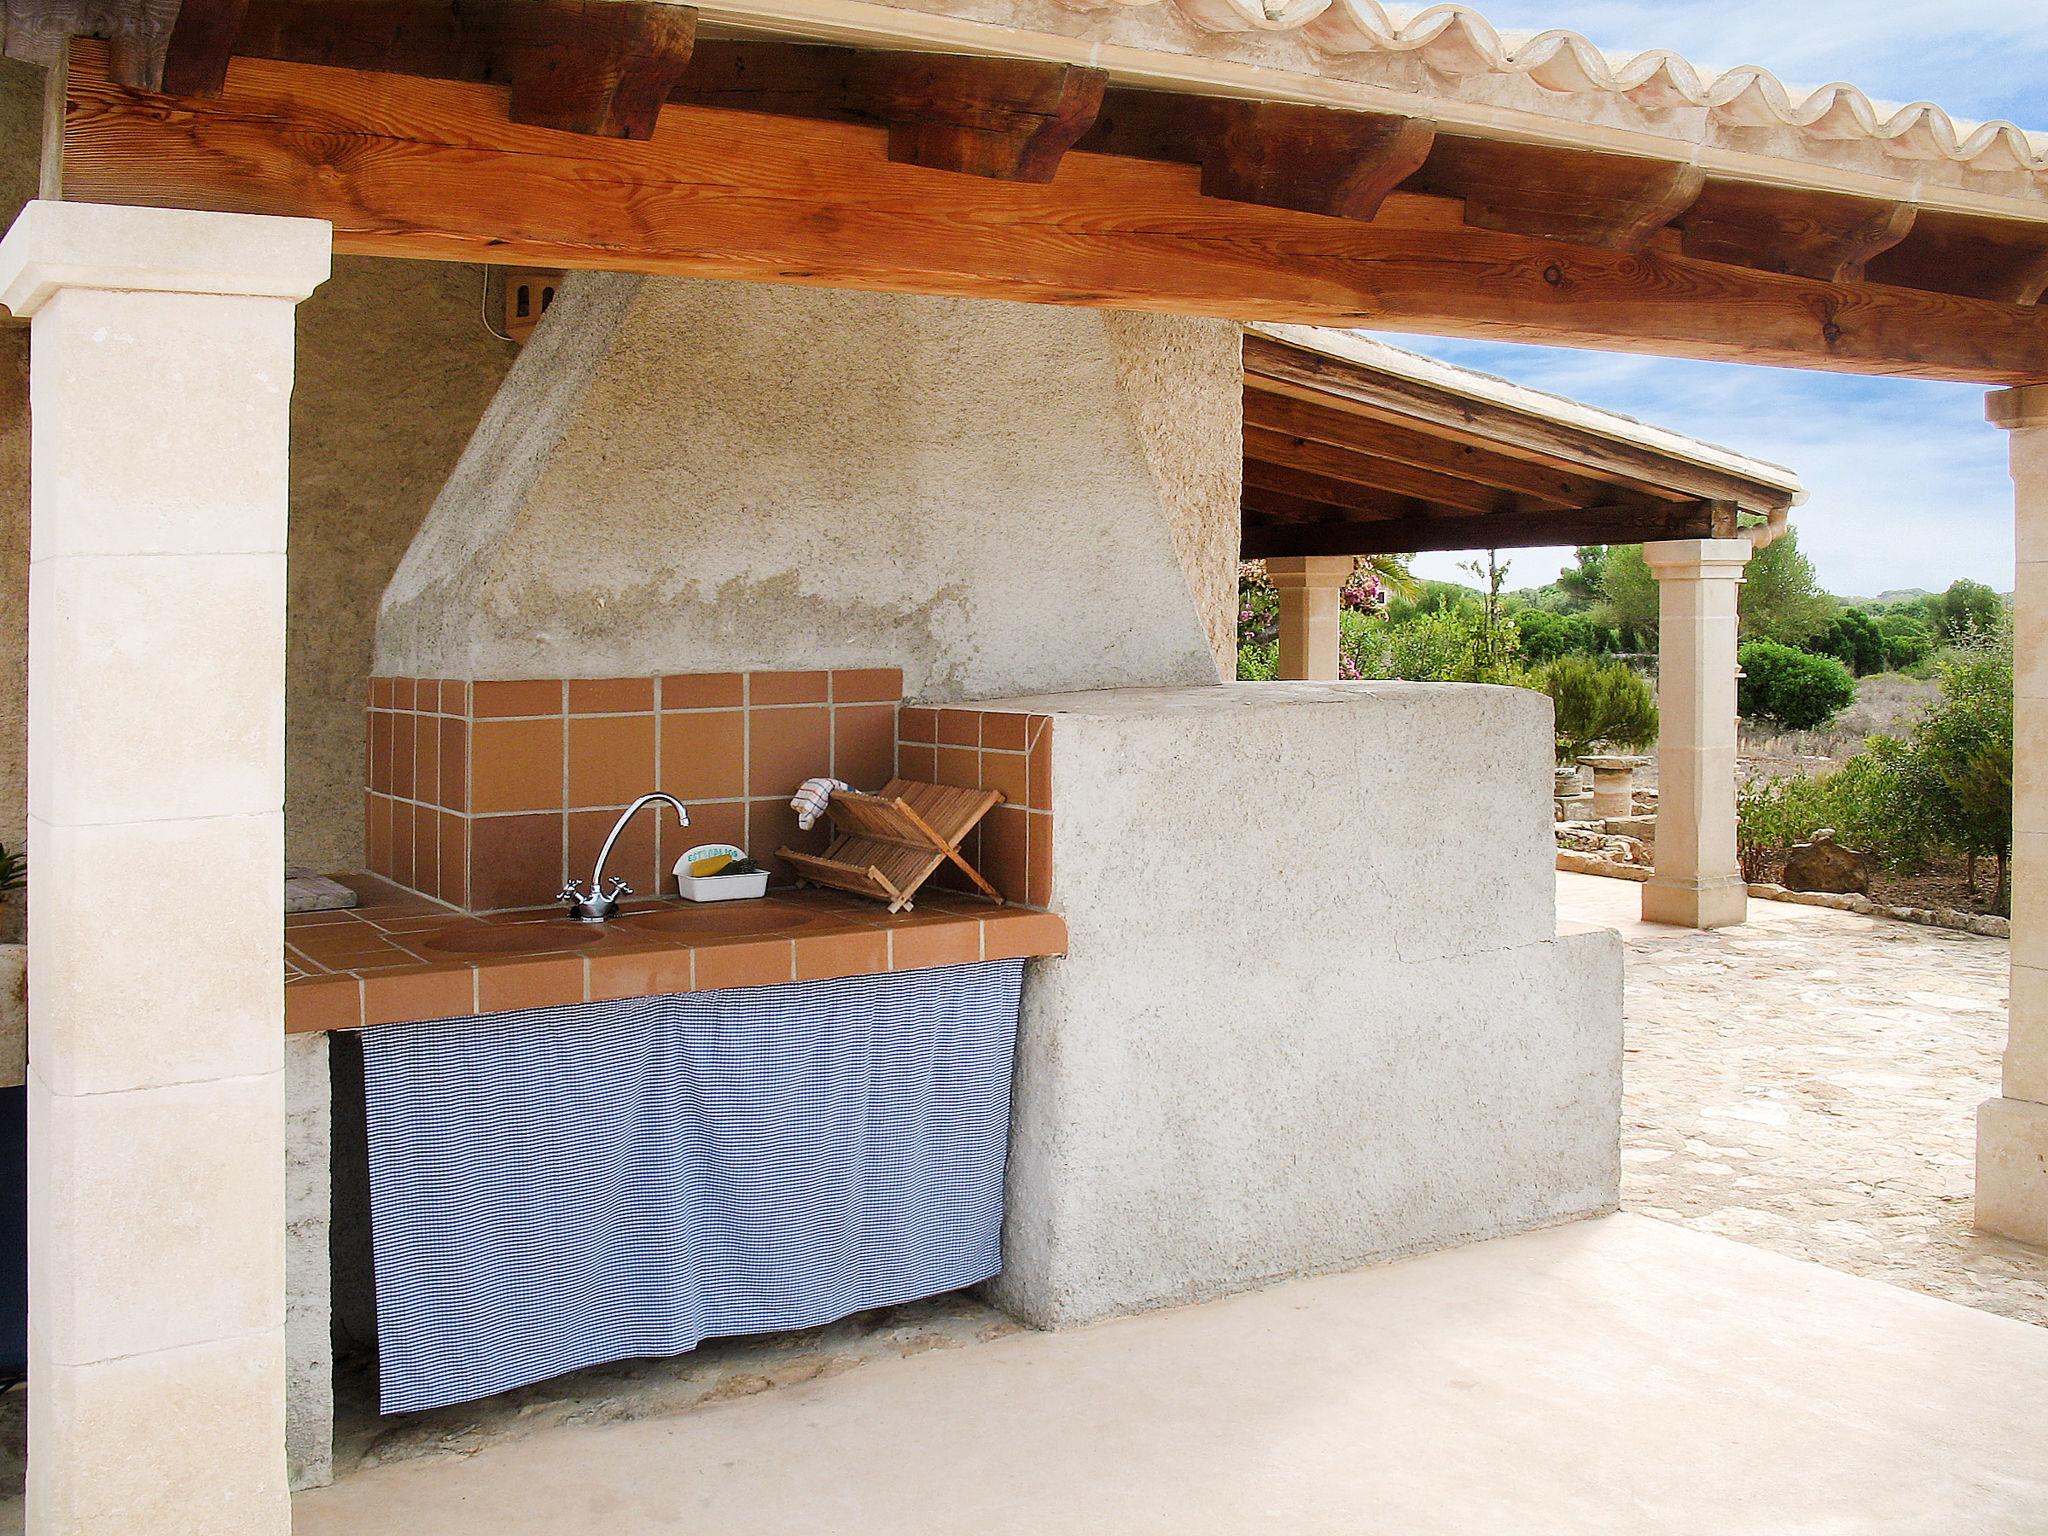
(764, 918)
(512, 939)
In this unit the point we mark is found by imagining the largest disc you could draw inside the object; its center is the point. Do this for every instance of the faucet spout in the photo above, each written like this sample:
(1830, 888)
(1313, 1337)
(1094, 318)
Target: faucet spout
(597, 904)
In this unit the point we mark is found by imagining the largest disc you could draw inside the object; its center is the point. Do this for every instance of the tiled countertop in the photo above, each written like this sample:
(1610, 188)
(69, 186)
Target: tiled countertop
(399, 957)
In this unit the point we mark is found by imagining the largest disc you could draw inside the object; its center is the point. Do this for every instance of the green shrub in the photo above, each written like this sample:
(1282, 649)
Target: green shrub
(1546, 636)
(1433, 647)
(1598, 701)
(1907, 641)
(1792, 688)
(1863, 800)
(1362, 645)
(1258, 662)
(1854, 640)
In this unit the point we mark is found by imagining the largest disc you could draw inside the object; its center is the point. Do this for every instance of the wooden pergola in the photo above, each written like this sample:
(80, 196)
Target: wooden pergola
(1352, 447)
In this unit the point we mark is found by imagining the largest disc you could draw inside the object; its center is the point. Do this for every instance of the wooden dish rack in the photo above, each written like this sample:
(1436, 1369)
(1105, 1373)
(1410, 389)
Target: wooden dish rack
(887, 844)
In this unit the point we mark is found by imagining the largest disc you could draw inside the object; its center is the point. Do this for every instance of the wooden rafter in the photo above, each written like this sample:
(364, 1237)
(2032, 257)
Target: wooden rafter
(1617, 202)
(1311, 159)
(1281, 490)
(431, 168)
(1782, 229)
(1947, 254)
(1007, 119)
(1347, 466)
(1627, 523)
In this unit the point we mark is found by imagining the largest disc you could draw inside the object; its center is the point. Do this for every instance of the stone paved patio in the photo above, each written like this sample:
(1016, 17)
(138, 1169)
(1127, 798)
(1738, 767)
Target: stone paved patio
(1808, 1082)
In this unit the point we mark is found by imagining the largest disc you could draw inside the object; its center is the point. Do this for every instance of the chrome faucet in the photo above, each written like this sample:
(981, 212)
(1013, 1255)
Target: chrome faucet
(597, 904)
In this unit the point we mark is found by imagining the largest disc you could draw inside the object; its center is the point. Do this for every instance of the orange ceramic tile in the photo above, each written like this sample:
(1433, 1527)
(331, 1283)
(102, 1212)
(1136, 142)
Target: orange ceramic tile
(704, 755)
(959, 765)
(454, 696)
(426, 759)
(634, 858)
(923, 946)
(629, 972)
(703, 690)
(959, 728)
(403, 692)
(864, 745)
(786, 746)
(515, 765)
(1004, 772)
(749, 963)
(377, 833)
(771, 824)
(323, 1002)
(426, 849)
(919, 763)
(539, 981)
(610, 695)
(1001, 729)
(453, 773)
(1009, 934)
(1038, 772)
(381, 692)
(725, 822)
(1004, 854)
(527, 696)
(404, 729)
(444, 992)
(788, 688)
(380, 751)
(454, 886)
(857, 952)
(870, 685)
(917, 724)
(611, 758)
(515, 861)
(401, 841)
(426, 696)
(1038, 859)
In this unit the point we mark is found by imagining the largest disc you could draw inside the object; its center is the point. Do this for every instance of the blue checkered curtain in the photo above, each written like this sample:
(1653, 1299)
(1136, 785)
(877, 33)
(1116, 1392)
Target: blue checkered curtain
(558, 1187)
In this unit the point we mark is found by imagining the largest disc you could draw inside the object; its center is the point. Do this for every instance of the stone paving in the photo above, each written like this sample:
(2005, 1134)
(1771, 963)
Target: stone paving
(1808, 1082)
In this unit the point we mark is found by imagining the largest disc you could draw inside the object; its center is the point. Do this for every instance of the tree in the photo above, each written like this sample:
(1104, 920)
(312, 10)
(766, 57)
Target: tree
(1494, 653)
(1629, 597)
(1598, 701)
(1854, 640)
(1780, 598)
(1547, 635)
(1907, 640)
(1791, 688)
(1967, 607)
(1585, 584)
(1957, 766)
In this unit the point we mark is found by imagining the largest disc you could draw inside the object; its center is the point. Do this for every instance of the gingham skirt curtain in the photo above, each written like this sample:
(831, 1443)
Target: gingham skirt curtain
(554, 1188)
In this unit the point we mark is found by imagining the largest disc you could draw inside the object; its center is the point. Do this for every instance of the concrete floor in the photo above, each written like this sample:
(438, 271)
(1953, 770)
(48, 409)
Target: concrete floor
(1620, 1375)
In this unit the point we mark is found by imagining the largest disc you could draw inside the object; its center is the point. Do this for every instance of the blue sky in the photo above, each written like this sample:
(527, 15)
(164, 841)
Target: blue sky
(1907, 484)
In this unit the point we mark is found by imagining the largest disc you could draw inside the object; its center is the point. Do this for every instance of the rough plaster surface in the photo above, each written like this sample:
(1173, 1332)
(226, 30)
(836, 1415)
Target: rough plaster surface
(1315, 1009)
(21, 115)
(709, 476)
(394, 370)
(309, 1347)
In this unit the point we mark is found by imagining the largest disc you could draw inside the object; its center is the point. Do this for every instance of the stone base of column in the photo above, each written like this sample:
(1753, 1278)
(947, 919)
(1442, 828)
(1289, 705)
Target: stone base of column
(1695, 903)
(2012, 1169)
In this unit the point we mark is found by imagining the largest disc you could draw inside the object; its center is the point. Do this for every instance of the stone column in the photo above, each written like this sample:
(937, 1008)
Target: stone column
(1697, 880)
(159, 388)
(1308, 586)
(2012, 1130)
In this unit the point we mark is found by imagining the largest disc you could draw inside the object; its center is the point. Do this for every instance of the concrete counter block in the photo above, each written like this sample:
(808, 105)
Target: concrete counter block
(1388, 1048)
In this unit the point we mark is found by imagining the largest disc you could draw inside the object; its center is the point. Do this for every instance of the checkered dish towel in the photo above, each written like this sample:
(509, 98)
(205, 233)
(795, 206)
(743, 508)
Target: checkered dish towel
(811, 798)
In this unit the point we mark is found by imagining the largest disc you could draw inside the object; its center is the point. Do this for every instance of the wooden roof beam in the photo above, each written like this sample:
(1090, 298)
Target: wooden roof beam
(1006, 119)
(1616, 202)
(1620, 524)
(1822, 235)
(1345, 466)
(600, 67)
(1263, 480)
(1973, 258)
(1325, 160)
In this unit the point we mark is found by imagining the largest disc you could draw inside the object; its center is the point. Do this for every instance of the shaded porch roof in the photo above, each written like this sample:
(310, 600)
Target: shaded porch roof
(1355, 447)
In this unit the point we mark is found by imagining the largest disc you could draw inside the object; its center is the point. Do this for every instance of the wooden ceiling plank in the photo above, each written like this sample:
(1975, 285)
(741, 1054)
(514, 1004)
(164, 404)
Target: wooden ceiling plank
(1971, 258)
(1616, 202)
(1827, 236)
(430, 169)
(1005, 119)
(1324, 160)
(1331, 462)
(1350, 499)
(1397, 536)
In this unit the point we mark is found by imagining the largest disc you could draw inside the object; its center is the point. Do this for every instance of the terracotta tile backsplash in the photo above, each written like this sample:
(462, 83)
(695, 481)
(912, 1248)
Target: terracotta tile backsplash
(990, 749)
(488, 795)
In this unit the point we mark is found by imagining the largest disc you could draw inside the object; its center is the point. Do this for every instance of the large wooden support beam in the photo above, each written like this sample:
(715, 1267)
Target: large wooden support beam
(1512, 530)
(585, 66)
(1008, 119)
(425, 168)
(1311, 159)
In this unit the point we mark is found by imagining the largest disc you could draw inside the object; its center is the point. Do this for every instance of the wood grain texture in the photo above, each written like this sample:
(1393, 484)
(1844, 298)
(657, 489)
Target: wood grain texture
(1517, 530)
(1617, 202)
(433, 169)
(1947, 254)
(1781, 229)
(1351, 466)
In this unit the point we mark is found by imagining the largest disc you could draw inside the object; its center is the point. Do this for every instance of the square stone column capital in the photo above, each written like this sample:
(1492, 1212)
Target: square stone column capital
(1698, 559)
(1308, 571)
(2012, 409)
(53, 246)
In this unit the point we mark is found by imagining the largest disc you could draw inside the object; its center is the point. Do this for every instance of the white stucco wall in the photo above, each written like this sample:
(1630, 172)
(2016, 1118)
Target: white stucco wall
(1315, 1009)
(692, 476)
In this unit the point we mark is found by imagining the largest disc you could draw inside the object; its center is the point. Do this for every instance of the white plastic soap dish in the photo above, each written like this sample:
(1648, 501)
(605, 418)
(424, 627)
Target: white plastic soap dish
(718, 887)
